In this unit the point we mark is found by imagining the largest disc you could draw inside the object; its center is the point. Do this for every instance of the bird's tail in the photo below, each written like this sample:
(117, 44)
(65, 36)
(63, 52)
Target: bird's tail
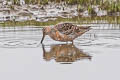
(87, 28)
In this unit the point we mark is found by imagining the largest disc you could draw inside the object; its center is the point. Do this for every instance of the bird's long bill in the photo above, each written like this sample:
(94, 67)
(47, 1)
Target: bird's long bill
(43, 37)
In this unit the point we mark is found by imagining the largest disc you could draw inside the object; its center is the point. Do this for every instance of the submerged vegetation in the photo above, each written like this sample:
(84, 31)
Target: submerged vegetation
(77, 20)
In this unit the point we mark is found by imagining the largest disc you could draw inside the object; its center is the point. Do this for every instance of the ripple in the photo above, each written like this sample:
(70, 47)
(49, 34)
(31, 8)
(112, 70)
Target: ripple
(30, 37)
(18, 43)
(113, 46)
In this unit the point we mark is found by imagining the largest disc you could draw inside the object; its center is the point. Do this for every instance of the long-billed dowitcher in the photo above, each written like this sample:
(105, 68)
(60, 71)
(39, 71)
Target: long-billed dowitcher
(64, 32)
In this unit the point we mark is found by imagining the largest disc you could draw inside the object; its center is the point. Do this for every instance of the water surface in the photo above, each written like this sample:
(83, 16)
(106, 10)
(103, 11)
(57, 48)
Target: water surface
(93, 56)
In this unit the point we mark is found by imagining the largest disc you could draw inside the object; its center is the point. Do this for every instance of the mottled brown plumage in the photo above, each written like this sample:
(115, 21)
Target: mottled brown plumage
(64, 32)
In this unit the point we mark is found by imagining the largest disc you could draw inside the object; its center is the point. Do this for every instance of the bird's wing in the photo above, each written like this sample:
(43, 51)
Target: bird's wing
(71, 30)
(66, 28)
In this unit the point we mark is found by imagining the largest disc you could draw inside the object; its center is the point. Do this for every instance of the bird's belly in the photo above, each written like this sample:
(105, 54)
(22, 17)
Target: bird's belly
(60, 37)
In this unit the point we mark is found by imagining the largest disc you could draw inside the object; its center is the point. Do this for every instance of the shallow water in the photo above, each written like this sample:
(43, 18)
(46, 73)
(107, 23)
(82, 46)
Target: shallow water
(94, 55)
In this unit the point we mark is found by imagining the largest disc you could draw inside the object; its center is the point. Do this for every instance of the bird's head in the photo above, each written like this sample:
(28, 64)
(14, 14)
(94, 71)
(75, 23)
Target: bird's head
(46, 31)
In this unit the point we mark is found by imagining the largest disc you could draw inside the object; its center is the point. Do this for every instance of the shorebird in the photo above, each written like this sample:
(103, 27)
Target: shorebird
(64, 32)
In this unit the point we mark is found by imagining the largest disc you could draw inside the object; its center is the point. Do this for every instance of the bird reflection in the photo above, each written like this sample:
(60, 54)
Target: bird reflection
(66, 53)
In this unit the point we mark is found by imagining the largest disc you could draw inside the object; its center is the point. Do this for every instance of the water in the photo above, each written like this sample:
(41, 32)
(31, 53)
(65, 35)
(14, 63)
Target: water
(94, 55)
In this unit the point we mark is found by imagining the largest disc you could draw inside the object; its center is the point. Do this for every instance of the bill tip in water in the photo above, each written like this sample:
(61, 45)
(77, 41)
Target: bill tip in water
(41, 41)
